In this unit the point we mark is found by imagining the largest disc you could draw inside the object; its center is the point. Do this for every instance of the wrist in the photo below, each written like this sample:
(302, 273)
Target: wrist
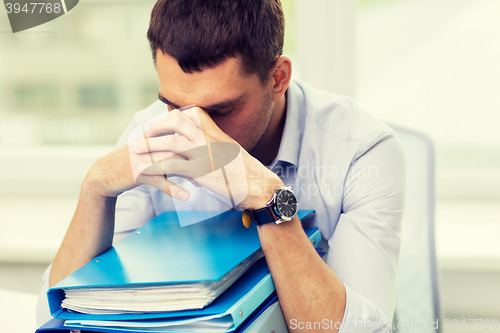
(290, 225)
(264, 193)
(282, 207)
(92, 192)
(95, 181)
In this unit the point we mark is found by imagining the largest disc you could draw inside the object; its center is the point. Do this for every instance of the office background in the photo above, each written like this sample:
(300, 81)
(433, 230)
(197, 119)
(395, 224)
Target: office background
(69, 87)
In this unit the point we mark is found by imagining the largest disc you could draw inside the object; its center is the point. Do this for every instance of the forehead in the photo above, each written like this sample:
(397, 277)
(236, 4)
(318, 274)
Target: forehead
(210, 86)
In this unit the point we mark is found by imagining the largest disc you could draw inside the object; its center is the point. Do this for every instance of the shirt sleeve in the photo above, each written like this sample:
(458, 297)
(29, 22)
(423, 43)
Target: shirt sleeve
(133, 209)
(364, 249)
(42, 307)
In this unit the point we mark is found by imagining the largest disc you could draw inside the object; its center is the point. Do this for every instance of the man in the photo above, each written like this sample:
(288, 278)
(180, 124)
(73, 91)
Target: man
(225, 57)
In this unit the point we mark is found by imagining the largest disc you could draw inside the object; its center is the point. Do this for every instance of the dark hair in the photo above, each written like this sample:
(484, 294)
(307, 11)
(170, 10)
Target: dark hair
(203, 33)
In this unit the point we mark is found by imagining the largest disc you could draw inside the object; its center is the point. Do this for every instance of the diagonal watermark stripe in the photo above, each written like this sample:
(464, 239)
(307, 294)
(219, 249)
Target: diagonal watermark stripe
(27, 14)
(217, 166)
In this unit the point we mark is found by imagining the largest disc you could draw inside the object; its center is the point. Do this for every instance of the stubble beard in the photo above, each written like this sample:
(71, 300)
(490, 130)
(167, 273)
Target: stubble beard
(262, 123)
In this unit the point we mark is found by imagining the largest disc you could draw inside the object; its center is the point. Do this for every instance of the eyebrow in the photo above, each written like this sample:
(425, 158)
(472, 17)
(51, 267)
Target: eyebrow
(211, 108)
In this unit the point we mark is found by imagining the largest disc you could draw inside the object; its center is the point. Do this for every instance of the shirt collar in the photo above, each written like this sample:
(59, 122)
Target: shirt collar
(292, 131)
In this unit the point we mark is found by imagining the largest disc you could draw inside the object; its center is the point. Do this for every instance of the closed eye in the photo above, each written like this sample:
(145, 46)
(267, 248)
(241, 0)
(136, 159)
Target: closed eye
(222, 114)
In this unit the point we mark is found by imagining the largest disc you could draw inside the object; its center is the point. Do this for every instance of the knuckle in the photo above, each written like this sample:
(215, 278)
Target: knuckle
(154, 128)
(174, 112)
(183, 120)
(157, 124)
(171, 140)
(175, 122)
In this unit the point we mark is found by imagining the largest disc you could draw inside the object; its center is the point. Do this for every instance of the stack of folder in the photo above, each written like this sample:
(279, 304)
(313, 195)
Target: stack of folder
(205, 277)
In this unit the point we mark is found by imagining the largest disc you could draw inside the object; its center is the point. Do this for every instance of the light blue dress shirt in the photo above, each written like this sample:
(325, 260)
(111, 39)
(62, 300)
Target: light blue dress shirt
(341, 162)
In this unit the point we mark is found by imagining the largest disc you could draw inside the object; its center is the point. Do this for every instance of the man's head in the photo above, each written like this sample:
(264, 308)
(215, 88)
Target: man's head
(203, 33)
(225, 57)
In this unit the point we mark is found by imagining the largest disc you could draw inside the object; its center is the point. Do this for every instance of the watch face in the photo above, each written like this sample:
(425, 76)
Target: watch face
(286, 203)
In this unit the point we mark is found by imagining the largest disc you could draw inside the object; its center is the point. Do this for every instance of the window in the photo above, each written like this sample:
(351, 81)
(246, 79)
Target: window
(36, 98)
(98, 96)
(76, 80)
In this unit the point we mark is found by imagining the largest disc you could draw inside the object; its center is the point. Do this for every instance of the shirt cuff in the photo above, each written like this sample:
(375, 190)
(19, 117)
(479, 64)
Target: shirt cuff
(362, 316)
(42, 307)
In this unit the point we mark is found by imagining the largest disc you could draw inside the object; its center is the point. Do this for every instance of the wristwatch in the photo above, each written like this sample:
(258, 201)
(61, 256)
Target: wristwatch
(282, 207)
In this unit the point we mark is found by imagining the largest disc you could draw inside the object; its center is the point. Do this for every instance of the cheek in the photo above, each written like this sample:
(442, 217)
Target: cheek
(246, 124)
(238, 126)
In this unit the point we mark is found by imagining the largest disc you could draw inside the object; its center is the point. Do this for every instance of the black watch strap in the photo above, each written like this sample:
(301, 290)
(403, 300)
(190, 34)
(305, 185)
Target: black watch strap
(262, 215)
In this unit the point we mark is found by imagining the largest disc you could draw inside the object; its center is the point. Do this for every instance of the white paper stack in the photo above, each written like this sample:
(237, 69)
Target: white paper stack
(175, 297)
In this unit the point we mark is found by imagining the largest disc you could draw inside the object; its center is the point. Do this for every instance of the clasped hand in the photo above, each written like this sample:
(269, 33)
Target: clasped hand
(188, 144)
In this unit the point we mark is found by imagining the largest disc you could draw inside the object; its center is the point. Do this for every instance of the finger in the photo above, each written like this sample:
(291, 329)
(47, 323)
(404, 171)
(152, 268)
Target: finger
(201, 118)
(200, 160)
(193, 113)
(158, 156)
(176, 122)
(192, 168)
(142, 161)
(165, 185)
(175, 143)
(137, 143)
(165, 173)
(207, 124)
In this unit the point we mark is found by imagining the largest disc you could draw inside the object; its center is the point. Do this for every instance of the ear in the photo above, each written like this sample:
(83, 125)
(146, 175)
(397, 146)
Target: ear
(281, 73)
